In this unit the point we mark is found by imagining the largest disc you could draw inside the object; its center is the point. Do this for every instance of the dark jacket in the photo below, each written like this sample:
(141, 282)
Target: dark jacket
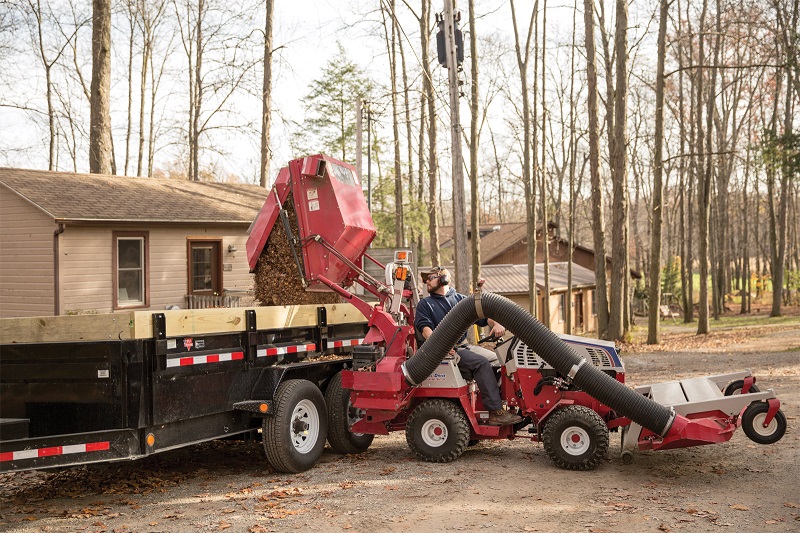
(432, 310)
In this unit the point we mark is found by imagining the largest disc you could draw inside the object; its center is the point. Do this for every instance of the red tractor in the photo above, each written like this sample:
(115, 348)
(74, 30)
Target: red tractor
(570, 391)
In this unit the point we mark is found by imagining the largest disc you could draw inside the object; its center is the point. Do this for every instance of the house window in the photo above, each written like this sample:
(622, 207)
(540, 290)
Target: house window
(131, 287)
(594, 303)
(205, 267)
(562, 306)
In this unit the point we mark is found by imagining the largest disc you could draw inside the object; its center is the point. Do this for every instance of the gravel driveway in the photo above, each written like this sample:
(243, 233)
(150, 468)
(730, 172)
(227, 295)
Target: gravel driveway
(506, 485)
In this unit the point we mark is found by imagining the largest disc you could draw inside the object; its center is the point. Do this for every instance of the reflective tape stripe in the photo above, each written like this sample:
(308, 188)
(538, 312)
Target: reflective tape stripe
(281, 350)
(342, 343)
(204, 359)
(55, 450)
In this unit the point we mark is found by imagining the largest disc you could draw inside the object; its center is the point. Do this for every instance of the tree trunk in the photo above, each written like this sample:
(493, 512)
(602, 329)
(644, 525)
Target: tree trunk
(100, 110)
(704, 191)
(572, 160)
(427, 87)
(598, 226)
(530, 204)
(619, 254)
(128, 127)
(474, 135)
(198, 90)
(391, 45)
(266, 96)
(543, 172)
(654, 322)
(142, 93)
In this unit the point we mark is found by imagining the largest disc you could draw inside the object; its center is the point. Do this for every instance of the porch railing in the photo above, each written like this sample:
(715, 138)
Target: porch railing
(208, 301)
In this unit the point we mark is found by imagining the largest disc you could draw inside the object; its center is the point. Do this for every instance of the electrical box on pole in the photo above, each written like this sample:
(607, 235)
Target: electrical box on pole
(441, 48)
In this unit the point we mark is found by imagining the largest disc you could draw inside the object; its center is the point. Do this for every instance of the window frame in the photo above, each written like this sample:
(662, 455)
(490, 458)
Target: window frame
(116, 236)
(562, 304)
(219, 275)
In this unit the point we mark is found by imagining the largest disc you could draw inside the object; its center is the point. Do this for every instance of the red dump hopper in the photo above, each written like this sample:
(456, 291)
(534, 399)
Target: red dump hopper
(330, 204)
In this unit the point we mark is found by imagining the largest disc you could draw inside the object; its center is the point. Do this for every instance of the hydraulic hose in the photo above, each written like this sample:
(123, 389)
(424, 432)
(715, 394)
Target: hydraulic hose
(626, 402)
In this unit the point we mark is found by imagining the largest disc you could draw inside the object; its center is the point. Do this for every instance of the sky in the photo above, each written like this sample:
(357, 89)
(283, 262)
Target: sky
(305, 35)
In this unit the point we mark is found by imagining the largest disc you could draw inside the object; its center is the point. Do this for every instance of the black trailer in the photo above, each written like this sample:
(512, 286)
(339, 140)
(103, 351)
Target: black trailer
(171, 379)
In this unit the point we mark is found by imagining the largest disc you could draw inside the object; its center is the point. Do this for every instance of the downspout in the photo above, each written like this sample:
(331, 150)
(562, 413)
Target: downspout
(56, 270)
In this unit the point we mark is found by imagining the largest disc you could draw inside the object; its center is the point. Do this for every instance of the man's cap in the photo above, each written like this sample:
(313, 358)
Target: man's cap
(439, 271)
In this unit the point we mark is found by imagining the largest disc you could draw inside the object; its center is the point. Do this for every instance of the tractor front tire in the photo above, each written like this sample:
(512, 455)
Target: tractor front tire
(294, 434)
(341, 415)
(575, 438)
(437, 431)
(753, 424)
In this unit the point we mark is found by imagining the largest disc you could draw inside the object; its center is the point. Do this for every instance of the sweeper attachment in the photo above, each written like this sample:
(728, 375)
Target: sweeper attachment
(569, 391)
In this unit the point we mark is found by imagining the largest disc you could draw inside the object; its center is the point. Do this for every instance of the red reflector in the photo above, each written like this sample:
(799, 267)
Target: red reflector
(186, 361)
(6, 456)
(55, 450)
(212, 358)
(97, 446)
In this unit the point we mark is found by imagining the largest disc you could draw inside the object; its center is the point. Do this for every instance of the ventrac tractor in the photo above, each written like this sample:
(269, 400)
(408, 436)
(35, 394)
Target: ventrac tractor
(570, 391)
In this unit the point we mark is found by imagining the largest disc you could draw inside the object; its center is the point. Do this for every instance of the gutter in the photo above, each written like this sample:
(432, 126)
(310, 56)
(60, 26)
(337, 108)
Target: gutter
(56, 270)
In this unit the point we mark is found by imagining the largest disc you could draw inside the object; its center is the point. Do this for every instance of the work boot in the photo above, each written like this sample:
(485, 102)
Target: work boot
(502, 418)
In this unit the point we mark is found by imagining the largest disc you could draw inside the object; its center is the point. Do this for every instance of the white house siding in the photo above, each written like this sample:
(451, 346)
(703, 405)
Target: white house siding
(87, 263)
(26, 258)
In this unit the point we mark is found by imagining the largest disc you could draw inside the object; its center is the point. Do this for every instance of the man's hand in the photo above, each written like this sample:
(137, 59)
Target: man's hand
(498, 330)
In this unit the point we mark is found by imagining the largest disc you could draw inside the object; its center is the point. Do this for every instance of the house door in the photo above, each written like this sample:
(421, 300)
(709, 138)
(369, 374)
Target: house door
(579, 312)
(205, 267)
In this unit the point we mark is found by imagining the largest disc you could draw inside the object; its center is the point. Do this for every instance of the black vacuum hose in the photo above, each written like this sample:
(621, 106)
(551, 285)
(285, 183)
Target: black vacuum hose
(626, 402)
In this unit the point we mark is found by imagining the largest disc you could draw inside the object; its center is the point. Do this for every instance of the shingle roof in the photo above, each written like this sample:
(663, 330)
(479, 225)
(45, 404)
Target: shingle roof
(495, 239)
(70, 197)
(513, 279)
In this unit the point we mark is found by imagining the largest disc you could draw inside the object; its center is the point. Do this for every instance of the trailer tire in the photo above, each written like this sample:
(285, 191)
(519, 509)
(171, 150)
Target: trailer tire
(294, 434)
(341, 415)
(735, 387)
(437, 431)
(753, 424)
(575, 438)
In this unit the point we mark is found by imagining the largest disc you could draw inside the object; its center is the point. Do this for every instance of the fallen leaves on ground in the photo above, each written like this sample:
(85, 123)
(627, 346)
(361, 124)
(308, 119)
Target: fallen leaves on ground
(681, 342)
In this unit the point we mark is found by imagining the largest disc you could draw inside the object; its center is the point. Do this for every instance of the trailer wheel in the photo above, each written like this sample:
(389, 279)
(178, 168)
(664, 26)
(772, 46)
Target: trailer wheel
(575, 438)
(341, 415)
(753, 424)
(437, 431)
(735, 387)
(294, 435)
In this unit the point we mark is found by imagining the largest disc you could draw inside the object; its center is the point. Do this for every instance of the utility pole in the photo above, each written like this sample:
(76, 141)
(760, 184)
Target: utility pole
(459, 201)
(359, 138)
(369, 158)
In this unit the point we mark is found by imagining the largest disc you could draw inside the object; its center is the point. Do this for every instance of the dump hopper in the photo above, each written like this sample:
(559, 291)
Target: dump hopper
(330, 208)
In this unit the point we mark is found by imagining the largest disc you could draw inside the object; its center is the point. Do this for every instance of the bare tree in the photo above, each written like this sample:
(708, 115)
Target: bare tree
(619, 255)
(598, 224)
(474, 134)
(543, 182)
(266, 95)
(654, 323)
(100, 130)
(390, 35)
(523, 55)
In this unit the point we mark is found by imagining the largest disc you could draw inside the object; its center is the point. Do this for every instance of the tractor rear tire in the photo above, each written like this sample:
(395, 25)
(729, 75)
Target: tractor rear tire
(575, 438)
(294, 434)
(437, 431)
(753, 424)
(341, 415)
(735, 387)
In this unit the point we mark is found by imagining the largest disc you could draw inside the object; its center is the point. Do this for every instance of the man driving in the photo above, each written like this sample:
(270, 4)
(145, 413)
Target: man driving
(432, 310)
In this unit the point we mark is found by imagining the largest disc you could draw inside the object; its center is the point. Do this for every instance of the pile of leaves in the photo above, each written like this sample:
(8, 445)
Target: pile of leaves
(277, 279)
